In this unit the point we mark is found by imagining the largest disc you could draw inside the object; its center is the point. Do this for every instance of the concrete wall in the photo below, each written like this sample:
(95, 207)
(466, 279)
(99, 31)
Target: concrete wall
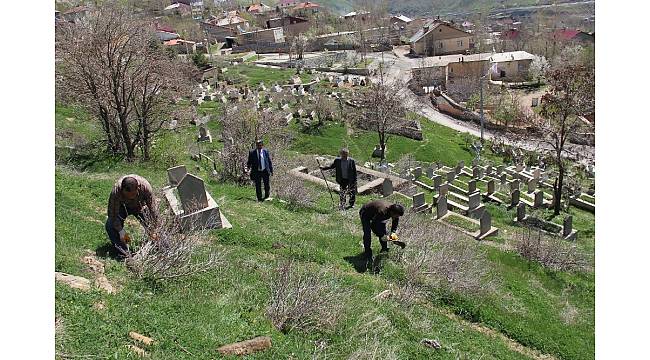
(443, 40)
(516, 70)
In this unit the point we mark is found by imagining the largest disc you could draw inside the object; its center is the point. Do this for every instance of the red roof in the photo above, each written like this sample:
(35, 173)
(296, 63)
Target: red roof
(565, 34)
(164, 28)
(306, 5)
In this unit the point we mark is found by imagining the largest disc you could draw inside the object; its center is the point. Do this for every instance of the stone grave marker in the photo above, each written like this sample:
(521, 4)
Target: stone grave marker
(443, 189)
(504, 179)
(475, 172)
(567, 226)
(514, 184)
(537, 173)
(437, 181)
(485, 223)
(471, 186)
(387, 187)
(490, 187)
(519, 167)
(500, 169)
(191, 191)
(521, 211)
(532, 185)
(204, 135)
(474, 200)
(418, 200)
(514, 197)
(417, 172)
(288, 118)
(441, 206)
(539, 199)
(176, 174)
(474, 162)
(451, 176)
(429, 171)
(489, 170)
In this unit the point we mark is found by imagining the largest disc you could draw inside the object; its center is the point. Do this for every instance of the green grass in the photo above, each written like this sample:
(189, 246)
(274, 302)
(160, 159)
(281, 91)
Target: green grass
(254, 75)
(462, 223)
(549, 311)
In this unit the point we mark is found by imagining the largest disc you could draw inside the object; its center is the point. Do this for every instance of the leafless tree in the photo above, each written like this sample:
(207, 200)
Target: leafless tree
(571, 93)
(112, 65)
(382, 109)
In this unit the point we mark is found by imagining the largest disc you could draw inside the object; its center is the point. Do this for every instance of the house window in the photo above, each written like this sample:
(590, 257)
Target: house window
(459, 43)
(439, 45)
(521, 67)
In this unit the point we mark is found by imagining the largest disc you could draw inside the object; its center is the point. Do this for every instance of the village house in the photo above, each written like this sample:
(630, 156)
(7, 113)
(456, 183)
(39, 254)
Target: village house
(260, 8)
(75, 14)
(263, 36)
(440, 38)
(291, 25)
(400, 21)
(178, 8)
(574, 36)
(305, 9)
(165, 32)
(181, 46)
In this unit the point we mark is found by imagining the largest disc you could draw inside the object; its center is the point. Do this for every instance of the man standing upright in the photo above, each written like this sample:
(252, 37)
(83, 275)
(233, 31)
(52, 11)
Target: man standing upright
(131, 195)
(260, 167)
(346, 177)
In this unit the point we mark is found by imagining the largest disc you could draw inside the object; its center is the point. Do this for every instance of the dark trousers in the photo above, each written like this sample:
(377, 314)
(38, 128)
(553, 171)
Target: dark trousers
(347, 188)
(121, 247)
(258, 178)
(369, 227)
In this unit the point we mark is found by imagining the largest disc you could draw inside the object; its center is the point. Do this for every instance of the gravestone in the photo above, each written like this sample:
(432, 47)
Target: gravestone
(504, 179)
(514, 197)
(489, 170)
(285, 107)
(417, 172)
(458, 168)
(532, 185)
(519, 167)
(534, 102)
(443, 189)
(418, 200)
(475, 162)
(514, 184)
(539, 199)
(191, 191)
(490, 187)
(451, 176)
(387, 187)
(441, 206)
(537, 173)
(429, 172)
(471, 186)
(204, 135)
(437, 181)
(176, 174)
(475, 172)
(485, 223)
(500, 169)
(474, 200)
(521, 211)
(288, 118)
(567, 226)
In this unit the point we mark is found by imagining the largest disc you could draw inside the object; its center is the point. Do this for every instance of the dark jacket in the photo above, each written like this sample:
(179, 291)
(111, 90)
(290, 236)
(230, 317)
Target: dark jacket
(376, 214)
(253, 162)
(352, 170)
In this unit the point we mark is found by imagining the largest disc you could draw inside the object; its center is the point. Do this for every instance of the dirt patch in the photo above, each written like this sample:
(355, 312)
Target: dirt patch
(75, 282)
(99, 306)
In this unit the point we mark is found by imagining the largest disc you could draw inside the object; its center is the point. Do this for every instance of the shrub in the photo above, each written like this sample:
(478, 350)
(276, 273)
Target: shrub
(551, 252)
(302, 300)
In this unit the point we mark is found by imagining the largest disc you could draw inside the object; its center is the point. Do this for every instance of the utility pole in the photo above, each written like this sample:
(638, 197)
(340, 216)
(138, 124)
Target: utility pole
(480, 81)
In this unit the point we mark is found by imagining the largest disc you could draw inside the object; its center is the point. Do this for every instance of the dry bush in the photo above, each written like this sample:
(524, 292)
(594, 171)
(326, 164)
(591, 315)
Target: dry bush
(551, 252)
(288, 187)
(440, 260)
(302, 300)
(375, 329)
(173, 254)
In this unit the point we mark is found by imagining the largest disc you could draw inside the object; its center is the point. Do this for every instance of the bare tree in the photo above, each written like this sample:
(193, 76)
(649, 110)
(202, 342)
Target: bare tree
(111, 64)
(570, 95)
(382, 109)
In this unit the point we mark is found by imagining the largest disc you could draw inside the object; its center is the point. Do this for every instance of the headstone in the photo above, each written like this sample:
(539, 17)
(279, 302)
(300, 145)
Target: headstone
(191, 191)
(288, 118)
(532, 185)
(176, 174)
(204, 135)
(387, 187)
(437, 181)
(474, 162)
(567, 226)
(285, 107)
(490, 187)
(500, 169)
(489, 170)
(534, 102)
(418, 200)
(504, 179)
(474, 200)
(429, 172)
(514, 184)
(514, 200)
(475, 172)
(539, 199)
(451, 176)
(443, 189)
(441, 206)
(485, 223)
(417, 172)
(471, 186)
(521, 211)
(537, 173)
(458, 169)
(519, 167)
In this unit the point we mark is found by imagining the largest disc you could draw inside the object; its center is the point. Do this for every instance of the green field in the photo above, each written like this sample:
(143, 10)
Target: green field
(530, 310)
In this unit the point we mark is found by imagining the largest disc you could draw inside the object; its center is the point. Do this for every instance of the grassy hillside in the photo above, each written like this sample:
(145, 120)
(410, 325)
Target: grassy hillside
(531, 310)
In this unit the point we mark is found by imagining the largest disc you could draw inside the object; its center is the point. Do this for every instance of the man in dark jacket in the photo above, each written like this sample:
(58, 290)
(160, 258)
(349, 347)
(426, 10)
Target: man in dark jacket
(346, 177)
(374, 216)
(260, 167)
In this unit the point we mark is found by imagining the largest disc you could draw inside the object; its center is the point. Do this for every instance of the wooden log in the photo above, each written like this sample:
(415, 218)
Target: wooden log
(246, 347)
(141, 338)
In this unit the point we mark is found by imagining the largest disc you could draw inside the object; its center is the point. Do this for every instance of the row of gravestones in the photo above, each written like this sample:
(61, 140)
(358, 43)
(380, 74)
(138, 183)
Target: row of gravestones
(566, 231)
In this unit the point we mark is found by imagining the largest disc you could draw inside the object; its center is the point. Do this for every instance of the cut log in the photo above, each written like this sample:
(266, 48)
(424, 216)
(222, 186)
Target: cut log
(73, 281)
(246, 347)
(141, 338)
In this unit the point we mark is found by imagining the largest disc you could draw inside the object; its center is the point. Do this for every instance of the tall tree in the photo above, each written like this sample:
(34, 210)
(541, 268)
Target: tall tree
(111, 63)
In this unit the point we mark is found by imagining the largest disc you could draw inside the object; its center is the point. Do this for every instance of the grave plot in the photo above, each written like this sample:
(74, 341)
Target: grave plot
(584, 201)
(565, 230)
(479, 229)
(368, 180)
(191, 204)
